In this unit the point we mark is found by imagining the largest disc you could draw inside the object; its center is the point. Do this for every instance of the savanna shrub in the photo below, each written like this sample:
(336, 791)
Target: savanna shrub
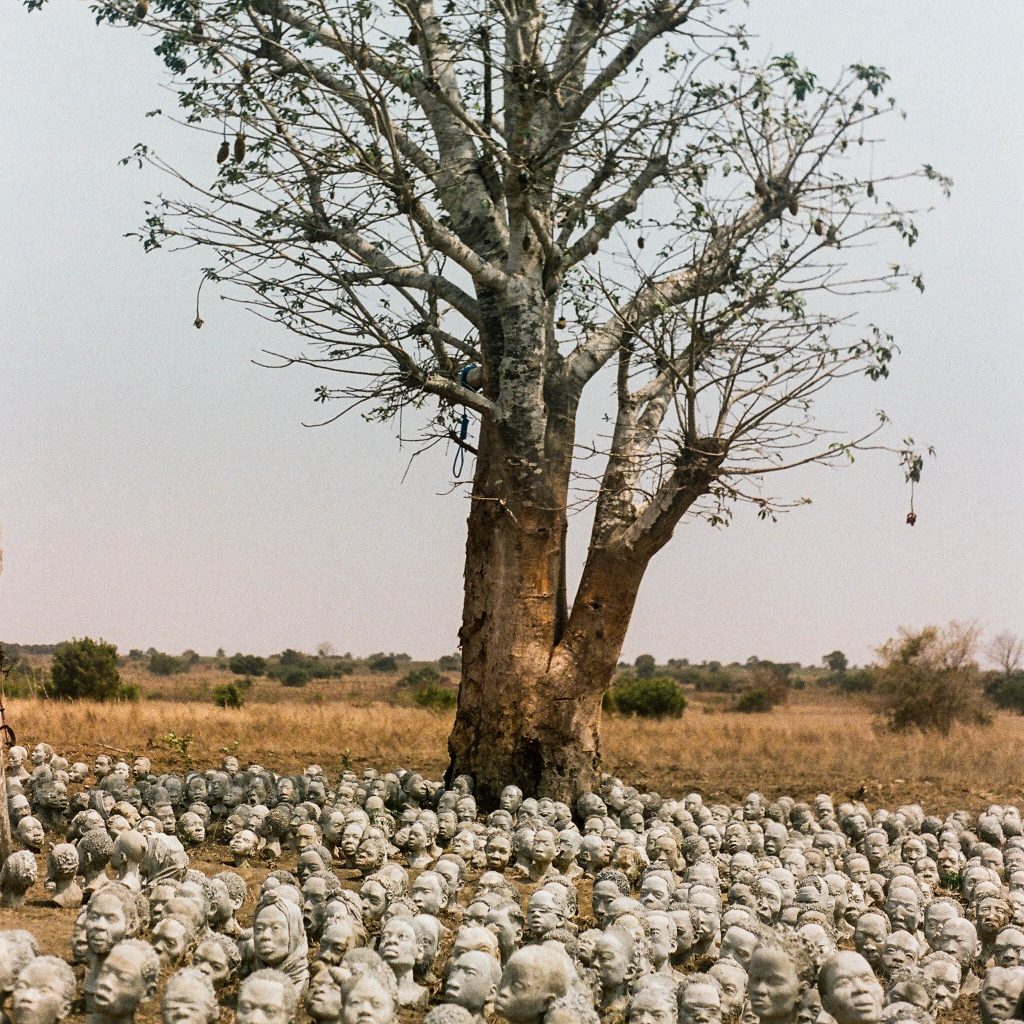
(420, 677)
(228, 696)
(430, 695)
(755, 701)
(295, 677)
(1007, 691)
(86, 669)
(248, 665)
(929, 680)
(166, 664)
(649, 698)
(381, 662)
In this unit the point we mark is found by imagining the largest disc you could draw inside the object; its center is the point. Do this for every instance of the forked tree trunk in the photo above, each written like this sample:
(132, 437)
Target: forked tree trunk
(533, 677)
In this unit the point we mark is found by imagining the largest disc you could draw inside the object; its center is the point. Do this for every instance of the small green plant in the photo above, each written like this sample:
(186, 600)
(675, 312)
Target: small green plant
(295, 677)
(228, 696)
(436, 698)
(180, 745)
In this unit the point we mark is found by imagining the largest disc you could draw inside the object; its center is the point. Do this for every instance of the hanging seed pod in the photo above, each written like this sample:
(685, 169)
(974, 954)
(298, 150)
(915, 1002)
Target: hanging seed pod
(911, 518)
(760, 187)
(871, 190)
(197, 323)
(640, 242)
(239, 148)
(223, 152)
(414, 36)
(832, 236)
(247, 70)
(818, 226)
(561, 323)
(794, 207)
(198, 31)
(141, 10)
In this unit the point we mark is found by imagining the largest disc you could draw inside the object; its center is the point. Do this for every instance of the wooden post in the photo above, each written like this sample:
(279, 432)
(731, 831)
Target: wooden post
(5, 820)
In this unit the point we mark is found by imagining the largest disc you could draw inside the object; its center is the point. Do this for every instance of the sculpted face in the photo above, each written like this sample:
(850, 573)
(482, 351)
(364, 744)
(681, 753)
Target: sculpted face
(900, 950)
(612, 956)
(368, 1003)
(903, 909)
(373, 898)
(700, 1004)
(170, 940)
(262, 1001)
(428, 894)
(323, 1000)
(1009, 948)
(521, 995)
(119, 985)
(543, 914)
(999, 994)
(40, 995)
(651, 1007)
(654, 893)
(398, 943)
(739, 944)
(706, 914)
(869, 938)
(946, 979)
(773, 986)
(270, 935)
(211, 958)
(105, 924)
(471, 982)
(850, 991)
(335, 943)
(733, 980)
(498, 851)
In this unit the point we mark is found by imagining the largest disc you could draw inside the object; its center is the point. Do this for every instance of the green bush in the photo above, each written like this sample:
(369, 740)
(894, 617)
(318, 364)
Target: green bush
(166, 664)
(228, 696)
(248, 665)
(86, 669)
(420, 677)
(381, 662)
(645, 666)
(430, 695)
(755, 701)
(649, 698)
(450, 662)
(860, 680)
(1007, 691)
(295, 677)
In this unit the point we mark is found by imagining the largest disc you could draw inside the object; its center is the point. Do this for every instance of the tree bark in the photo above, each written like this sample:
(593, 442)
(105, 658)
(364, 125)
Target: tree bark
(533, 675)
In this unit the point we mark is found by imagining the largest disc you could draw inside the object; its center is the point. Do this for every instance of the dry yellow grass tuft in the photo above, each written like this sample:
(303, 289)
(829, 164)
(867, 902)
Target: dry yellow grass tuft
(805, 748)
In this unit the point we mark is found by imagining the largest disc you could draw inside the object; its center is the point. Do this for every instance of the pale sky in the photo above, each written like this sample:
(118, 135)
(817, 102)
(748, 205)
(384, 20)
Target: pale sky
(158, 489)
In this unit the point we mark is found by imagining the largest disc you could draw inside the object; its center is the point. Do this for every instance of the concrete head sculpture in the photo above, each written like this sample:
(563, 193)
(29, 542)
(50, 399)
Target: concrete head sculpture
(189, 998)
(266, 997)
(43, 991)
(127, 977)
(849, 990)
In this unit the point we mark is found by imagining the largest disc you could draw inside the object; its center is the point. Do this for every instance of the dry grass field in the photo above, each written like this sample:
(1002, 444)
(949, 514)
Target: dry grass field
(811, 745)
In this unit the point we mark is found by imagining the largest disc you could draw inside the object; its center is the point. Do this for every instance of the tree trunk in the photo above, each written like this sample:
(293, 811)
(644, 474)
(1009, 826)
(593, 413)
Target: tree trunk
(533, 677)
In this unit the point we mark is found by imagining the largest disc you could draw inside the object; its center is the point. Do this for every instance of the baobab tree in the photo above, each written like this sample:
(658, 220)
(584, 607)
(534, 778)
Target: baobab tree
(475, 213)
